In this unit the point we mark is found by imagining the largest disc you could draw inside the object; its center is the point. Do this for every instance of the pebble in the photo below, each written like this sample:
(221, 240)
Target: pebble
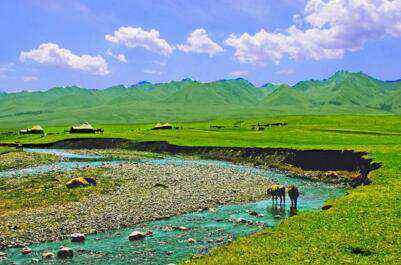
(191, 240)
(48, 255)
(26, 251)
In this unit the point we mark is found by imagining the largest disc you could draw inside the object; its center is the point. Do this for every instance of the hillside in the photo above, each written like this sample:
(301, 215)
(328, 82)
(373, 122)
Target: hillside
(189, 100)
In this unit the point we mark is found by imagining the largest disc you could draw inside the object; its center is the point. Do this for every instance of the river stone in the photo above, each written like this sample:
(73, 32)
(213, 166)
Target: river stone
(254, 213)
(191, 240)
(65, 252)
(181, 228)
(326, 207)
(26, 251)
(48, 255)
(136, 235)
(77, 237)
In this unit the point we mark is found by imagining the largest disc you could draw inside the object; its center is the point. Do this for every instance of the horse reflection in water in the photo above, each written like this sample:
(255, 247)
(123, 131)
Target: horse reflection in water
(277, 210)
(278, 192)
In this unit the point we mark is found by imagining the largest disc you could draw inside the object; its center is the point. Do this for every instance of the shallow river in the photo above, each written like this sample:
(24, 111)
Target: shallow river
(209, 228)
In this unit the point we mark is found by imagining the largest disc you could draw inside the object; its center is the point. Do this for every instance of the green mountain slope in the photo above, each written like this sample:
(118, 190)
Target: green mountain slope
(286, 96)
(188, 100)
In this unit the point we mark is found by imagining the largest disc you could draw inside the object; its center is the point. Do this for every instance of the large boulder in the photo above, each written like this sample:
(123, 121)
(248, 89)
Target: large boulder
(65, 253)
(91, 181)
(77, 182)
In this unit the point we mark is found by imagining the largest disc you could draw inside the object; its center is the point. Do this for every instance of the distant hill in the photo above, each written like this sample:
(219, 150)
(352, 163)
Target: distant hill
(189, 100)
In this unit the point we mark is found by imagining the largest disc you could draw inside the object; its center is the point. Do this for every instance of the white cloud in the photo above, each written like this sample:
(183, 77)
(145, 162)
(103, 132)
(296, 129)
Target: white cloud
(119, 57)
(137, 37)
(286, 72)
(52, 54)
(335, 27)
(160, 63)
(5, 69)
(29, 78)
(152, 72)
(239, 73)
(198, 41)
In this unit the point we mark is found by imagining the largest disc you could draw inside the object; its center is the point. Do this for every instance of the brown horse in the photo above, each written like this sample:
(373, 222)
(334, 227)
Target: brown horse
(293, 193)
(277, 192)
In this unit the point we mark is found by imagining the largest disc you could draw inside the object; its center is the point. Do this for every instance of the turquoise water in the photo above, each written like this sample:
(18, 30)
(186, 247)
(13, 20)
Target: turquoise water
(58, 166)
(209, 228)
(59, 152)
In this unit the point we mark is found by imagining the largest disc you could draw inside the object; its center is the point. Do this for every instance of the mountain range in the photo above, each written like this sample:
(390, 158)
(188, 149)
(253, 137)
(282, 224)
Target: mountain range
(190, 100)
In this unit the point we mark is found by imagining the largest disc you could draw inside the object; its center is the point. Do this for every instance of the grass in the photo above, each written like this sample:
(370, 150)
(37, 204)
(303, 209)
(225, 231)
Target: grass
(363, 227)
(47, 189)
(6, 149)
(14, 159)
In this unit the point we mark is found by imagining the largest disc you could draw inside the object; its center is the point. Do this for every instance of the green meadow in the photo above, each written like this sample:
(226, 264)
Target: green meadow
(362, 227)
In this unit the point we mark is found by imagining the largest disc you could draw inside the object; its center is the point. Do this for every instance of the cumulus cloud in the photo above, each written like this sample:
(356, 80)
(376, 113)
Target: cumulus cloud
(334, 27)
(239, 73)
(137, 37)
(198, 41)
(119, 57)
(29, 78)
(52, 54)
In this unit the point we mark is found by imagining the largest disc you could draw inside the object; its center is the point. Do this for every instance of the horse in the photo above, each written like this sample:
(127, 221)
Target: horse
(277, 192)
(293, 193)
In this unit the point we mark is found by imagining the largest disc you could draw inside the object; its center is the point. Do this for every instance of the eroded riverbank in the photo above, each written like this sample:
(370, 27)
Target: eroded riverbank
(311, 164)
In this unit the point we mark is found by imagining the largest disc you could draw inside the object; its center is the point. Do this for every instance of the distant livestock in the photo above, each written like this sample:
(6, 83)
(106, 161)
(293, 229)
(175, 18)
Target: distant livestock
(262, 127)
(217, 127)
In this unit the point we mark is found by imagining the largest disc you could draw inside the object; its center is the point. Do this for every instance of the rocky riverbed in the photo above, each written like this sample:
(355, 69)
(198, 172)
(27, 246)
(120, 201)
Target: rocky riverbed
(147, 190)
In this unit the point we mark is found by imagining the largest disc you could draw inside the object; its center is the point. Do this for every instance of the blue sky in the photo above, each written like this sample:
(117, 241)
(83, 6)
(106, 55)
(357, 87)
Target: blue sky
(97, 44)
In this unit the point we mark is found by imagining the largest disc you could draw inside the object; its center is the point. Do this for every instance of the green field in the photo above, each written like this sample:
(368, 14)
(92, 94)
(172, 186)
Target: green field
(363, 227)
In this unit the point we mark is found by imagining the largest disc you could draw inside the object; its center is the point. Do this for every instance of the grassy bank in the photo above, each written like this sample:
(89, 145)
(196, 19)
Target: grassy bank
(363, 227)
(15, 159)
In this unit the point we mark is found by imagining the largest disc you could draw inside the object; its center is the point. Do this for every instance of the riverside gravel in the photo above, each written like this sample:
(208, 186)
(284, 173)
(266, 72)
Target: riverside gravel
(149, 191)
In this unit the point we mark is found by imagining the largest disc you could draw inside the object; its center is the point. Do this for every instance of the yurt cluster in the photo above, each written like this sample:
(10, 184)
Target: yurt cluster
(85, 127)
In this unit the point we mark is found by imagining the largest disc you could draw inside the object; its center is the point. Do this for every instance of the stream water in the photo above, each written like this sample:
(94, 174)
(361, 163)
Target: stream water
(166, 246)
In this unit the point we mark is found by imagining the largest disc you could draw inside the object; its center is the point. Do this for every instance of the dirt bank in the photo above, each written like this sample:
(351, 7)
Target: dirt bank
(284, 158)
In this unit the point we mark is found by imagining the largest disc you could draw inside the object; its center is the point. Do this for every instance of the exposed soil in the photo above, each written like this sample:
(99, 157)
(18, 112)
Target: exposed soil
(306, 160)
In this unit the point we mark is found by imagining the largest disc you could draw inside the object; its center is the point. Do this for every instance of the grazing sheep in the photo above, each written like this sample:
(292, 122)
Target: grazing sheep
(276, 192)
(293, 193)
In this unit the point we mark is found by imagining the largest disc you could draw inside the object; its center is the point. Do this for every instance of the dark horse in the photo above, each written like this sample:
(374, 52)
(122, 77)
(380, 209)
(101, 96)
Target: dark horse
(277, 192)
(293, 193)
